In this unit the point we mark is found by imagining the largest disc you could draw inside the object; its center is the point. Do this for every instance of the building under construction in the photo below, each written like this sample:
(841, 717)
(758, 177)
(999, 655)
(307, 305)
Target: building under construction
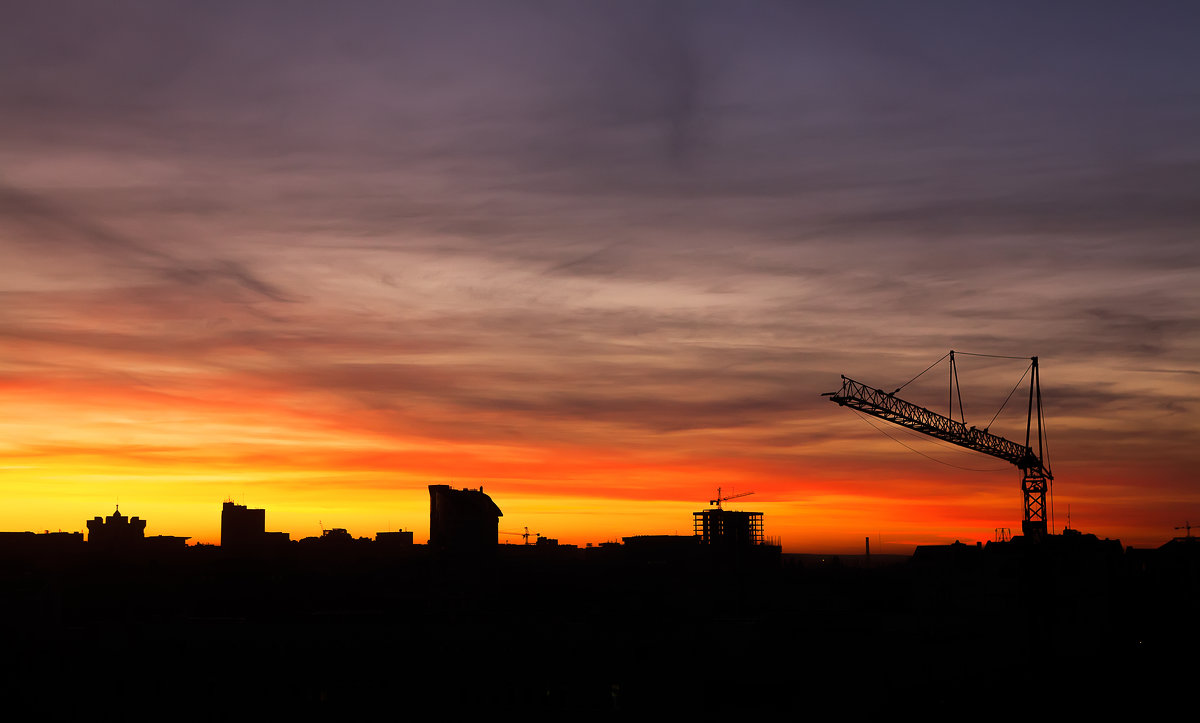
(719, 527)
(728, 528)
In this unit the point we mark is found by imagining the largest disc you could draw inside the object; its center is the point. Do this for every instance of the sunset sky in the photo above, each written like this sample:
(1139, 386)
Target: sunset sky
(600, 258)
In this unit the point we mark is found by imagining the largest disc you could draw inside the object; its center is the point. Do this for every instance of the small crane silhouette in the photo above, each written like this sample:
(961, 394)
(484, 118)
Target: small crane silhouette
(721, 498)
(526, 534)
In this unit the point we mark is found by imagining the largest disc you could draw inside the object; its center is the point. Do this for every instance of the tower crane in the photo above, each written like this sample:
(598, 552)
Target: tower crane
(1035, 473)
(525, 535)
(721, 499)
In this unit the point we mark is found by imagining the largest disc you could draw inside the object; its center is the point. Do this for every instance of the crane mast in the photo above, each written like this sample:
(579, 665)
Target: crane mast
(1035, 476)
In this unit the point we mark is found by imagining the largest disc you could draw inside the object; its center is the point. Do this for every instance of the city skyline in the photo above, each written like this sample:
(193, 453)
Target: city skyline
(600, 259)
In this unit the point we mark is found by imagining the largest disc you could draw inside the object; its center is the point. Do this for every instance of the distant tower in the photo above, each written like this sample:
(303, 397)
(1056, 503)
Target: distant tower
(462, 520)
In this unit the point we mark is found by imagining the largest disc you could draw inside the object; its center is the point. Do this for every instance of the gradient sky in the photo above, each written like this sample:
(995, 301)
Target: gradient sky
(600, 258)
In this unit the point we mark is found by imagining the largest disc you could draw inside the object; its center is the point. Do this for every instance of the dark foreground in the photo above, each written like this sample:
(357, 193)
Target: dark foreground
(953, 635)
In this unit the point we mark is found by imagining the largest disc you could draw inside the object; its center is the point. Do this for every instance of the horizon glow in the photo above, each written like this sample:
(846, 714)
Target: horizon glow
(599, 259)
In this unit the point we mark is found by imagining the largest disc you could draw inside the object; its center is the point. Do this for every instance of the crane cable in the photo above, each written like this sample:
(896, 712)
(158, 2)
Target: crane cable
(1014, 390)
(967, 353)
(910, 381)
(934, 459)
(1045, 438)
(991, 356)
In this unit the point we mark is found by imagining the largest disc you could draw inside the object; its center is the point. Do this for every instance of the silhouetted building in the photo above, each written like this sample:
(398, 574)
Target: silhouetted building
(244, 528)
(728, 528)
(241, 526)
(336, 541)
(160, 543)
(675, 550)
(659, 542)
(955, 557)
(403, 538)
(39, 544)
(116, 530)
(462, 519)
(336, 536)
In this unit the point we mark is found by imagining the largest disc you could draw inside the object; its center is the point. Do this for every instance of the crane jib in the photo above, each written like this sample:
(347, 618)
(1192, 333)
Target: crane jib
(879, 403)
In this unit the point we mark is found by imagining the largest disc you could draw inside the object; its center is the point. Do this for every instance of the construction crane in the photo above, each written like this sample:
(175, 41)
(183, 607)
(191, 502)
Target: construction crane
(526, 534)
(721, 499)
(1036, 476)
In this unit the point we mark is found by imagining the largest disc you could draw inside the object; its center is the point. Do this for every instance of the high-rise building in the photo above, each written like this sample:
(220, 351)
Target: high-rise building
(242, 526)
(462, 520)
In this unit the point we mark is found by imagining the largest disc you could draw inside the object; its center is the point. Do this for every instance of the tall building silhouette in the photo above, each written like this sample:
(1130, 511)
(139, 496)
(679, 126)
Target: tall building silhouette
(245, 528)
(241, 526)
(462, 520)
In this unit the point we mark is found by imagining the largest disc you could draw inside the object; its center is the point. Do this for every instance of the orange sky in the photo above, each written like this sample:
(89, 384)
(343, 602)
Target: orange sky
(175, 444)
(600, 261)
